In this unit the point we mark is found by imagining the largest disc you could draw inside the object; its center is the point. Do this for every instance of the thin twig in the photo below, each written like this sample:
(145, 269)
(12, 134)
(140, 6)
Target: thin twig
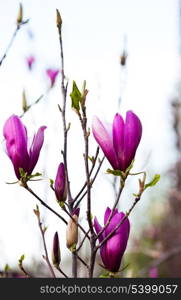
(18, 26)
(112, 212)
(45, 247)
(81, 243)
(65, 130)
(43, 203)
(60, 270)
(23, 269)
(92, 181)
(63, 112)
(91, 170)
(29, 106)
(120, 223)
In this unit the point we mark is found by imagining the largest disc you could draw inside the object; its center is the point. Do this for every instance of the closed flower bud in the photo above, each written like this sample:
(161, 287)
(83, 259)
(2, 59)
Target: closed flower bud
(123, 58)
(60, 185)
(59, 19)
(20, 14)
(72, 230)
(56, 257)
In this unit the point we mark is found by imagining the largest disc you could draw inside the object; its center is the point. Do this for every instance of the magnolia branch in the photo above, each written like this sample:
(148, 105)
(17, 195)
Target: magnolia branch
(63, 110)
(19, 23)
(91, 170)
(42, 230)
(91, 181)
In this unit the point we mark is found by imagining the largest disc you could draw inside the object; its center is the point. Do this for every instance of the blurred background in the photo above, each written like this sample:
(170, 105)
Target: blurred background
(129, 54)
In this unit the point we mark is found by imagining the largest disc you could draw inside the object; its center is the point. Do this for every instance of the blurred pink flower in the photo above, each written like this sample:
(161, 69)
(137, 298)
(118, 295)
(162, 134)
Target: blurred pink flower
(52, 74)
(30, 61)
(153, 272)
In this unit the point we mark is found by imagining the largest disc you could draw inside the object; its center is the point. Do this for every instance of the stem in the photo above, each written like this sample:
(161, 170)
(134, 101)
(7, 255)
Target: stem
(10, 43)
(43, 203)
(92, 181)
(60, 270)
(92, 168)
(45, 248)
(65, 130)
(34, 103)
(120, 223)
(24, 271)
(63, 112)
(74, 264)
(81, 244)
(112, 211)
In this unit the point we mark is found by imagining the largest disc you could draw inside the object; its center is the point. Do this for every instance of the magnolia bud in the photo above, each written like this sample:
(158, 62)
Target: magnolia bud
(123, 58)
(72, 230)
(59, 19)
(56, 257)
(20, 14)
(24, 102)
(60, 185)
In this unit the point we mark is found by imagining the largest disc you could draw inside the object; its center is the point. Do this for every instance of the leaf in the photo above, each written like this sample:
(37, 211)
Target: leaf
(91, 158)
(114, 172)
(21, 259)
(76, 97)
(35, 175)
(51, 183)
(153, 182)
(105, 275)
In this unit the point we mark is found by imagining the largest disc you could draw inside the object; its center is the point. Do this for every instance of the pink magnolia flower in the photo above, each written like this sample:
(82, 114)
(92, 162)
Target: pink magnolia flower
(113, 249)
(120, 140)
(21, 155)
(52, 74)
(30, 61)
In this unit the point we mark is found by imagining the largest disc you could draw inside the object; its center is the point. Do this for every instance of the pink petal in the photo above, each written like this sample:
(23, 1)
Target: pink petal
(98, 228)
(118, 138)
(132, 137)
(105, 141)
(16, 143)
(36, 147)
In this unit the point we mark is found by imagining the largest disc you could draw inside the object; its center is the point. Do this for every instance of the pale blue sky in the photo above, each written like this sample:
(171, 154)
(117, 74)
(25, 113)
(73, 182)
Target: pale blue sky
(93, 33)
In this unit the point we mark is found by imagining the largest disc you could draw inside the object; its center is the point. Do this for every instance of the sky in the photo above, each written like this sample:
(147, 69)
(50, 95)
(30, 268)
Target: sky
(94, 35)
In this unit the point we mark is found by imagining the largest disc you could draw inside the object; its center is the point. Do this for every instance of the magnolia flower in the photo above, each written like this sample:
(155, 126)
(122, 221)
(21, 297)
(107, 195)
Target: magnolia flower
(21, 155)
(60, 185)
(30, 60)
(52, 74)
(56, 257)
(113, 249)
(120, 140)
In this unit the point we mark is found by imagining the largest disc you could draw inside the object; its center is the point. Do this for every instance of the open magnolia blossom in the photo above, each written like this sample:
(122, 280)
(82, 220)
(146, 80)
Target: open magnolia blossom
(113, 249)
(120, 140)
(22, 157)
